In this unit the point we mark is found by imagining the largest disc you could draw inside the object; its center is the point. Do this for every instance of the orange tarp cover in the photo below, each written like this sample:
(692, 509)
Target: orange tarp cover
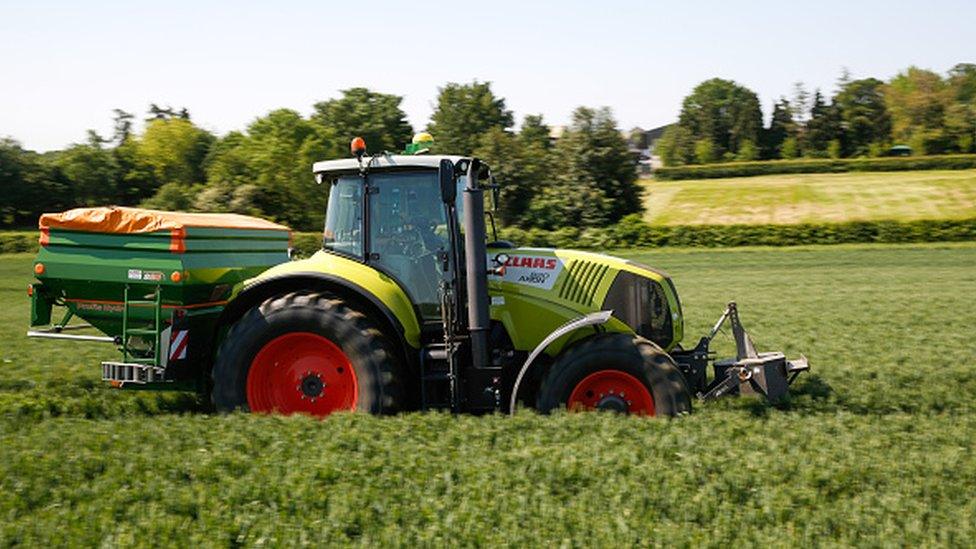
(114, 219)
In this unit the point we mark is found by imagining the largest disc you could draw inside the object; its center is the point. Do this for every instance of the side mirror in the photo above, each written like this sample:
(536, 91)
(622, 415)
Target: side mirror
(501, 265)
(445, 173)
(495, 194)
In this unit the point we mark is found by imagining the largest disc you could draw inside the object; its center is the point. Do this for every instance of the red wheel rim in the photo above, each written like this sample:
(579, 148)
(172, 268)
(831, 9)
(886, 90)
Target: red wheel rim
(301, 372)
(612, 390)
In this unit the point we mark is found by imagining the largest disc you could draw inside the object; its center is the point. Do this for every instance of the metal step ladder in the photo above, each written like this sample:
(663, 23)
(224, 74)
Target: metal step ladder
(438, 387)
(137, 366)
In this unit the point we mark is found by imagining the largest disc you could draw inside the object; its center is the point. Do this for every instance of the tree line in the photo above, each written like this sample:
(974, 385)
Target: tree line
(928, 112)
(587, 178)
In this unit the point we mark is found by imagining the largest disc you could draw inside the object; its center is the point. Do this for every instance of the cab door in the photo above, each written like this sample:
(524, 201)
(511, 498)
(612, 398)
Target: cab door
(409, 234)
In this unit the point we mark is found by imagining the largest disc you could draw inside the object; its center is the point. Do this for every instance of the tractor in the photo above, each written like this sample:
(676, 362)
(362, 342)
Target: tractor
(413, 303)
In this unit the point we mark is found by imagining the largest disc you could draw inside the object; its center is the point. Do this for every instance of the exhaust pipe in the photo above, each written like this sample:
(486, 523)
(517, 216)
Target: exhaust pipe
(476, 265)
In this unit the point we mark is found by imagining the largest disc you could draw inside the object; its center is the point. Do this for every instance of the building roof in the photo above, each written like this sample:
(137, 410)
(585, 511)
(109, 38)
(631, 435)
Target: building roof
(654, 134)
(382, 162)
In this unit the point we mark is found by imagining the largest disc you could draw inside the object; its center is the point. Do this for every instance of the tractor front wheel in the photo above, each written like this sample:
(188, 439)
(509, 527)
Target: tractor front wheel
(615, 372)
(308, 354)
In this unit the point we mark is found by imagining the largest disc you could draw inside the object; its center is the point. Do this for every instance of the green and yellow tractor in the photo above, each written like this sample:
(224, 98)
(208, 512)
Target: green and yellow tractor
(411, 304)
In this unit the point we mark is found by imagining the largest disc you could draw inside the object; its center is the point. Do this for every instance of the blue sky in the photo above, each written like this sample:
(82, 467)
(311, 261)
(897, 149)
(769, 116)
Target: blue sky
(65, 65)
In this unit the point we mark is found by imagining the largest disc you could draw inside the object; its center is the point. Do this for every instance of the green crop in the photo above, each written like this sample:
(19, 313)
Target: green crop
(874, 448)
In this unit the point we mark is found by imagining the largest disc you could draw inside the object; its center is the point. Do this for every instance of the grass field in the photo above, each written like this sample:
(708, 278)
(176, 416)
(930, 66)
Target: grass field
(875, 448)
(813, 198)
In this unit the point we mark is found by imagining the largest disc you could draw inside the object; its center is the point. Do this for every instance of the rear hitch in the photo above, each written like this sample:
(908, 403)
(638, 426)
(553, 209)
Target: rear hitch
(749, 373)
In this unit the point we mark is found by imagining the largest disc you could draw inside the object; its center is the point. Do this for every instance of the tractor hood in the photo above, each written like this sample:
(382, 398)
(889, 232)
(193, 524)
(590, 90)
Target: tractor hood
(552, 286)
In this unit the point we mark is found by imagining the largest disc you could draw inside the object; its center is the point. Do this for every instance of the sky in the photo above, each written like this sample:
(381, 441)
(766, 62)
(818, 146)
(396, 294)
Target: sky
(65, 65)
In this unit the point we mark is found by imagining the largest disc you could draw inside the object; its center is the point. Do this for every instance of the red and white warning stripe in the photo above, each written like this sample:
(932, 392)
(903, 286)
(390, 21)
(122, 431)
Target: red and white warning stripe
(177, 344)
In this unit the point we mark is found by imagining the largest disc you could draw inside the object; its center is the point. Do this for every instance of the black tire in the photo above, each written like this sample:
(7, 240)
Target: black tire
(627, 353)
(367, 349)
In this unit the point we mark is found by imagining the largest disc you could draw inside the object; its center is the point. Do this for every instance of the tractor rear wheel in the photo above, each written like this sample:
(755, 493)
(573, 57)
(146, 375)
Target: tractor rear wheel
(615, 372)
(305, 353)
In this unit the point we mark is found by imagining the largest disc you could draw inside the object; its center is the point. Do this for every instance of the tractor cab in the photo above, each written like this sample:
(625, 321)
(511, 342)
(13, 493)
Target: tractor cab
(420, 220)
(391, 213)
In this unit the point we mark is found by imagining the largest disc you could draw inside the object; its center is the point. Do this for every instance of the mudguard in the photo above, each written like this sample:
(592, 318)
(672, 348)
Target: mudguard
(593, 319)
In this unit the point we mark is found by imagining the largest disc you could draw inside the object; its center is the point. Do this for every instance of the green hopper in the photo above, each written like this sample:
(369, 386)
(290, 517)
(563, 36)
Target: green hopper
(154, 283)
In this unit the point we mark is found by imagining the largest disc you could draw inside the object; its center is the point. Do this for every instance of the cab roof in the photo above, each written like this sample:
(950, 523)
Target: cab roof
(379, 162)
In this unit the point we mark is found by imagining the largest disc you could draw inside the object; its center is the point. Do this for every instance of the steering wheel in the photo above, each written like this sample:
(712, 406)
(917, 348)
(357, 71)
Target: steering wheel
(409, 241)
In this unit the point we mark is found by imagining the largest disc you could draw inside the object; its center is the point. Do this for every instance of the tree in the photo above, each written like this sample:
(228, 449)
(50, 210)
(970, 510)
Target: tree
(174, 149)
(962, 80)
(596, 181)
(676, 146)
(864, 115)
(137, 180)
(844, 78)
(29, 186)
(835, 149)
(781, 128)
(268, 170)
(637, 138)
(173, 197)
(723, 112)
(515, 167)
(464, 113)
(917, 101)
(961, 113)
(705, 151)
(522, 165)
(376, 117)
(790, 148)
(122, 125)
(166, 113)
(230, 179)
(92, 171)
(822, 128)
(800, 104)
(748, 151)
(534, 130)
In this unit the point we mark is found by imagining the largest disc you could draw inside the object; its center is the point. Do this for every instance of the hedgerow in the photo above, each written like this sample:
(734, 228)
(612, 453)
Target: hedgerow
(771, 167)
(633, 232)
(18, 242)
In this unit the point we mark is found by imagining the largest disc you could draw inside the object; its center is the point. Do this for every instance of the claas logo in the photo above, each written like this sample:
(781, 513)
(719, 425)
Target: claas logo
(548, 263)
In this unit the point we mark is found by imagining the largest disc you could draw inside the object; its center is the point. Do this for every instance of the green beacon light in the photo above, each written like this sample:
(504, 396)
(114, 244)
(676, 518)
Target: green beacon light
(421, 144)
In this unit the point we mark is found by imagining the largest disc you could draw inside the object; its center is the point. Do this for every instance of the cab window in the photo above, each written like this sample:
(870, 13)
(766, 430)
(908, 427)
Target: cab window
(344, 217)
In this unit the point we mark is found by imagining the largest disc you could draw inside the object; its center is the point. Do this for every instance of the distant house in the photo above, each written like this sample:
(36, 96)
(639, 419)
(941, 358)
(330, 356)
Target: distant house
(555, 133)
(655, 134)
(642, 143)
